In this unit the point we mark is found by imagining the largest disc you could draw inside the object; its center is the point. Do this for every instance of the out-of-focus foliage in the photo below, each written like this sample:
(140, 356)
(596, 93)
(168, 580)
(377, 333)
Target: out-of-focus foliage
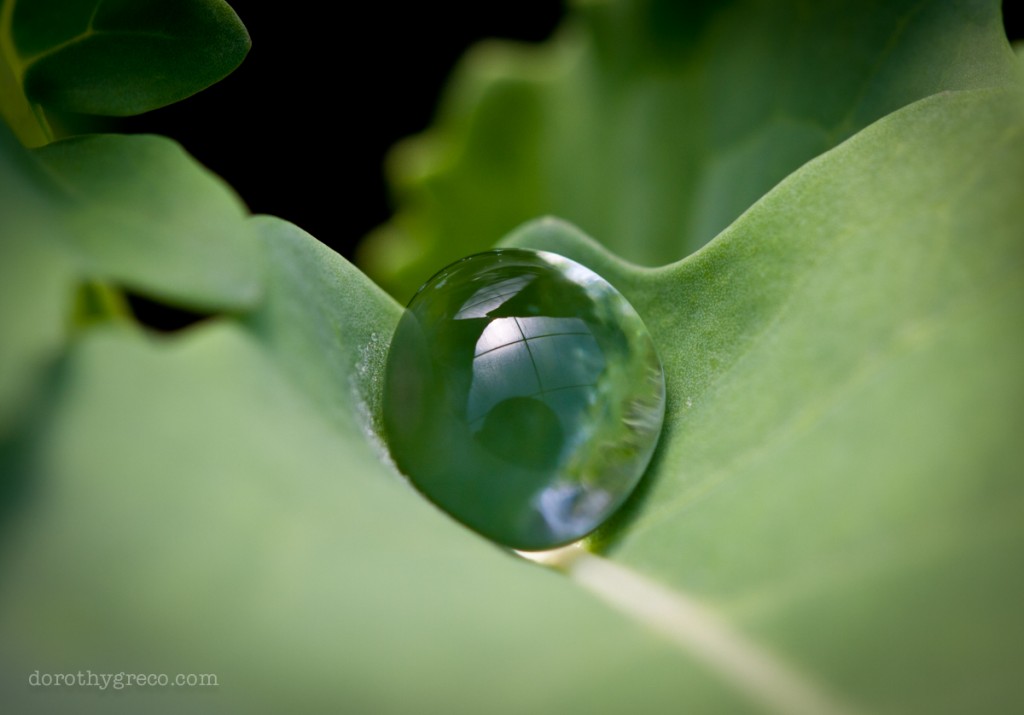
(653, 124)
(136, 211)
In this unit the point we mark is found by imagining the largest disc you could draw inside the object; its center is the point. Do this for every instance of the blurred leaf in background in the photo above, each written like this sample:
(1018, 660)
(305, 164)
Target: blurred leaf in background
(653, 124)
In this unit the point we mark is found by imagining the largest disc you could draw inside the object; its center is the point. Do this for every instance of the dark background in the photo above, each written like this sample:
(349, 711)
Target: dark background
(268, 125)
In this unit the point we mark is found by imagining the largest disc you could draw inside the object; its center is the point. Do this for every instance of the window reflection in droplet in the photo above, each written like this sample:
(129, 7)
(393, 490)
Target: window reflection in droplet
(523, 395)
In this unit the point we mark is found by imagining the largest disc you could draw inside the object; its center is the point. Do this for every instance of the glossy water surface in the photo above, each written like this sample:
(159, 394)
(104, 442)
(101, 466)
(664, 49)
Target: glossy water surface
(523, 395)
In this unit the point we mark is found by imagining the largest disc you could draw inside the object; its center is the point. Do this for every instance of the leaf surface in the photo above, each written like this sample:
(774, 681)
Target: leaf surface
(35, 278)
(136, 211)
(268, 544)
(145, 214)
(840, 469)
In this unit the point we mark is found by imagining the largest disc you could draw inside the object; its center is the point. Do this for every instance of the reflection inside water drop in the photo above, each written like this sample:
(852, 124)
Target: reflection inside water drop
(523, 395)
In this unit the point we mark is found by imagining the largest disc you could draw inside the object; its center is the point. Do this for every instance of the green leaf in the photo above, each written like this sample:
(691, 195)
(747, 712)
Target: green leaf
(147, 215)
(263, 542)
(653, 125)
(838, 478)
(36, 275)
(840, 469)
(121, 57)
(136, 211)
(831, 524)
(325, 323)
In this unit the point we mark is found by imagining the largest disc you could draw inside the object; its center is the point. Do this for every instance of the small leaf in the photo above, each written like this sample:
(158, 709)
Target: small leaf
(134, 210)
(146, 214)
(121, 57)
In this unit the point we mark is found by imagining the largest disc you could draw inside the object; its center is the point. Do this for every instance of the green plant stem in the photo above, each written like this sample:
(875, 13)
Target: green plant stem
(26, 120)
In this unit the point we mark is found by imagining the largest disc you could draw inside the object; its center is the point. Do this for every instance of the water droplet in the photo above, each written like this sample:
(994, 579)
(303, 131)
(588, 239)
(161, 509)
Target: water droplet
(524, 398)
